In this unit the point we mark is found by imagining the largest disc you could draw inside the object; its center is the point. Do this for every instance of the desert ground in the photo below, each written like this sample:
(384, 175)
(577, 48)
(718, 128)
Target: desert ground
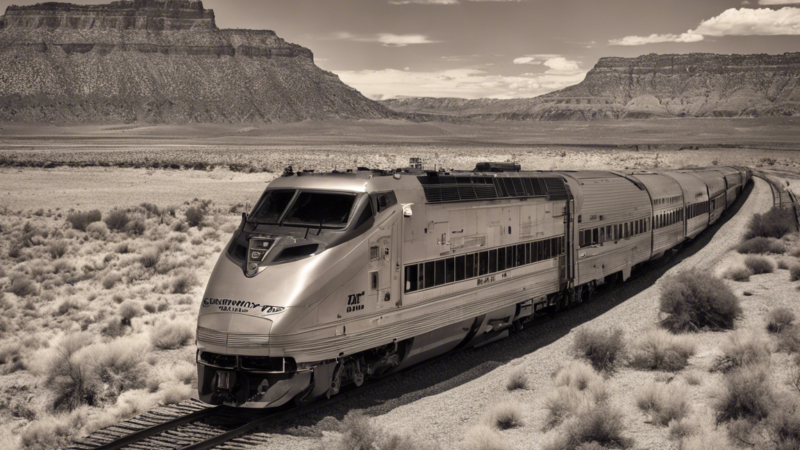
(97, 322)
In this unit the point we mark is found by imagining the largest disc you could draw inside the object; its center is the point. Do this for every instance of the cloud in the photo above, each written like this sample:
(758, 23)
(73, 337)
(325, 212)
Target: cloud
(657, 38)
(386, 39)
(469, 82)
(536, 59)
(562, 65)
(732, 22)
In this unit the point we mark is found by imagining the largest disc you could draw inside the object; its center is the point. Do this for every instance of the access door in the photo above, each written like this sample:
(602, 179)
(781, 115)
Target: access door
(384, 265)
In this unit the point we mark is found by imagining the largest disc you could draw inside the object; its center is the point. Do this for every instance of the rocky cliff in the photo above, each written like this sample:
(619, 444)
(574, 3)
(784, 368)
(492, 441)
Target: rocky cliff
(159, 61)
(691, 85)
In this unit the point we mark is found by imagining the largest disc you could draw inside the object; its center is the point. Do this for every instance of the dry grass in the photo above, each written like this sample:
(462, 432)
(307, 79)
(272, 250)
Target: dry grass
(578, 387)
(172, 334)
(482, 437)
(693, 301)
(663, 403)
(504, 416)
(759, 265)
(794, 272)
(184, 283)
(602, 348)
(356, 432)
(660, 350)
(602, 425)
(743, 348)
(738, 274)
(517, 380)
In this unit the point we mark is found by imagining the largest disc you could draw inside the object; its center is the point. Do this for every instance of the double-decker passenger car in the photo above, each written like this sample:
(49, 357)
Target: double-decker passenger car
(337, 277)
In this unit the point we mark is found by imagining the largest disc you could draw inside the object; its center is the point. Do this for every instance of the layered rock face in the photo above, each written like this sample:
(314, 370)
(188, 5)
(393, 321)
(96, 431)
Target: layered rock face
(650, 86)
(162, 61)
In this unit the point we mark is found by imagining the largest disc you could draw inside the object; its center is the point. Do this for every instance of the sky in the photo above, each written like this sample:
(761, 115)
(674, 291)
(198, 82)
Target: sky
(502, 48)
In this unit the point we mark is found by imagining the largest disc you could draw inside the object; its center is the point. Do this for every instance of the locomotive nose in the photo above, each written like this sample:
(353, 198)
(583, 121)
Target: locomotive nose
(234, 333)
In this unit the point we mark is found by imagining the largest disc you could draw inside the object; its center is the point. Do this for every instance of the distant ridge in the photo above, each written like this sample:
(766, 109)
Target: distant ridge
(160, 61)
(650, 86)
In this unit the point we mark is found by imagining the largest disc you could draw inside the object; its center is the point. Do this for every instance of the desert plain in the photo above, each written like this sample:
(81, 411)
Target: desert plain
(97, 320)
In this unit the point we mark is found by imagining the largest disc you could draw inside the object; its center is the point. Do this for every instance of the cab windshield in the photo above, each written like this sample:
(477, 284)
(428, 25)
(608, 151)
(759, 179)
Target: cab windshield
(305, 208)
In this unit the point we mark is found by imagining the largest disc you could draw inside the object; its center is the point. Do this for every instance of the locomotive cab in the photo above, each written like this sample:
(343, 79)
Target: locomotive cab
(308, 240)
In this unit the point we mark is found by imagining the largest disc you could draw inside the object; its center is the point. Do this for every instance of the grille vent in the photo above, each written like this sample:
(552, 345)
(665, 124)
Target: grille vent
(448, 189)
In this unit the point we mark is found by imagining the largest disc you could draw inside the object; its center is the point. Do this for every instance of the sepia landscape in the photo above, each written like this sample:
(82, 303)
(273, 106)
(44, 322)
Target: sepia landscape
(134, 135)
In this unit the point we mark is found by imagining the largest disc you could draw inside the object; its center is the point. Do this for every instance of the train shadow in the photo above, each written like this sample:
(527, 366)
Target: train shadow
(459, 368)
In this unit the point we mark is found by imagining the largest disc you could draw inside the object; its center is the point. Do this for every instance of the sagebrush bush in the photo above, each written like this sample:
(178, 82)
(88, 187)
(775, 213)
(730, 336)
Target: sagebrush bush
(195, 216)
(80, 219)
(98, 230)
(578, 387)
(738, 274)
(693, 301)
(22, 286)
(746, 394)
(117, 219)
(774, 223)
(183, 283)
(742, 348)
(762, 245)
(602, 425)
(128, 310)
(69, 376)
(518, 379)
(136, 227)
(759, 265)
(150, 257)
(602, 348)
(579, 376)
(171, 334)
(662, 403)
(660, 350)
(111, 280)
(779, 319)
(357, 432)
(58, 249)
(151, 209)
(794, 272)
(504, 415)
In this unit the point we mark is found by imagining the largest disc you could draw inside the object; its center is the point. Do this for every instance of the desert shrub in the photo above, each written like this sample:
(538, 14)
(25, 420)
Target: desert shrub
(679, 429)
(117, 219)
(80, 219)
(195, 216)
(22, 286)
(746, 394)
(11, 358)
(789, 340)
(135, 227)
(357, 433)
(660, 350)
(517, 380)
(762, 245)
(150, 257)
(662, 403)
(774, 223)
(183, 283)
(784, 425)
(69, 376)
(698, 300)
(783, 264)
(599, 424)
(738, 274)
(98, 230)
(482, 437)
(119, 365)
(111, 280)
(693, 377)
(58, 249)
(151, 209)
(504, 415)
(578, 387)
(150, 308)
(759, 264)
(123, 248)
(742, 348)
(171, 334)
(179, 226)
(128, 310)
(794, 272)
(705, 438)
(67, 305)
(602, 348)
(779, 319)
(113, 328)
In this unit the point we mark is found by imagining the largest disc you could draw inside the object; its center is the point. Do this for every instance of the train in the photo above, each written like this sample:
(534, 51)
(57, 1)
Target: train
(335, 278)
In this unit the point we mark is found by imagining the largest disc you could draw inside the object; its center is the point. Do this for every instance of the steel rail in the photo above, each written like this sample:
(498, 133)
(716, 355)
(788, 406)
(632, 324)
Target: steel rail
(137, 436)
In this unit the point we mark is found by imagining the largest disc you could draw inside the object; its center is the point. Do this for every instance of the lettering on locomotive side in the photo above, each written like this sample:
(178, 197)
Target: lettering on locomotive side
(354, 302)
(490, 279)
(242, 306)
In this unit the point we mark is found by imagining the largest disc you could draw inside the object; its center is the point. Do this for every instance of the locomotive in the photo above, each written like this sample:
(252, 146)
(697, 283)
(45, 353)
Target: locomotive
(334, 278)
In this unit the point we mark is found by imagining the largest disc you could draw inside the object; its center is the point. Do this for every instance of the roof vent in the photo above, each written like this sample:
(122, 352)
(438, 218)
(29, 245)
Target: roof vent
(497, 167)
